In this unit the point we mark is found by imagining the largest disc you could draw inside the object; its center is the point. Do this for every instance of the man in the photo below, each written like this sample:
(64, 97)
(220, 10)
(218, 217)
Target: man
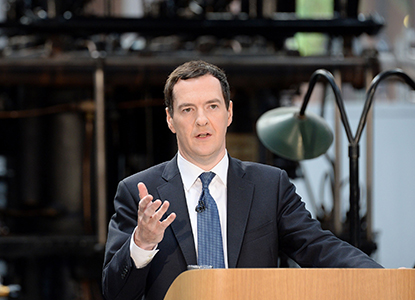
(260, 213)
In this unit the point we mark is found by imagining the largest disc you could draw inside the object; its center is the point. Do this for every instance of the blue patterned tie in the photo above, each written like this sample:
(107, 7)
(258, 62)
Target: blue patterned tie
(209, 235)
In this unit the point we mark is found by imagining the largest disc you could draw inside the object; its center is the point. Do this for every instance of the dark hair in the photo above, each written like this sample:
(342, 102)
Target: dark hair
(194, 69)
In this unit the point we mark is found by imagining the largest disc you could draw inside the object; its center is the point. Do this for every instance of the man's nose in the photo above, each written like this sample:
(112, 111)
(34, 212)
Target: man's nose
(201, 119)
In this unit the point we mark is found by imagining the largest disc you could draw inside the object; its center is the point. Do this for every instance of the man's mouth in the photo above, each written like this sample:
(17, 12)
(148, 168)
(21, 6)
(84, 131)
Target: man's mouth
(203, 135)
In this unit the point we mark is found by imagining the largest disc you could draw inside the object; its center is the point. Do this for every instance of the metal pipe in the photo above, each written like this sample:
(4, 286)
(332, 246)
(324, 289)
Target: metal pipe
(51, 9)
(354, 198)
(86, 172)
(330, 78)
(369, 167)
(371, 92)
(99, 89)
(337, 224)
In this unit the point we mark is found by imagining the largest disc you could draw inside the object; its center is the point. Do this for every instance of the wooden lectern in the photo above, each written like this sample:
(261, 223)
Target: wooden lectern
(294, 284)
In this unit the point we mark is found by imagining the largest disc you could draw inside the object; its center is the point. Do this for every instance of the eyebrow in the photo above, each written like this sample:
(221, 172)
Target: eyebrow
(213, 101)
(185, 105)
(192, 104)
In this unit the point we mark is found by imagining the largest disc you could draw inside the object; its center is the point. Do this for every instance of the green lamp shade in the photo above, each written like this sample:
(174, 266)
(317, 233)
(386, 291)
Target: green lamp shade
(284, 132)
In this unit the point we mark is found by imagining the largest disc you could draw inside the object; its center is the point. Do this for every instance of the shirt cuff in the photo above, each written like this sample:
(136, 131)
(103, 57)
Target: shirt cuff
(140, 256)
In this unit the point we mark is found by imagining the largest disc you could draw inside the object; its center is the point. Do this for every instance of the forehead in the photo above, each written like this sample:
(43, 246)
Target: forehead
(203, 88)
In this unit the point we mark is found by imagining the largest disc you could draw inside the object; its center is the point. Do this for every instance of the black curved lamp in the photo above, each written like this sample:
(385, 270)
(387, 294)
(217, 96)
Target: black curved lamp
(293, 134)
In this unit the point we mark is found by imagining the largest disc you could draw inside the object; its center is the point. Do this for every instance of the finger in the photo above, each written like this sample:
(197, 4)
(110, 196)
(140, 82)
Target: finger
(162, 210)
(160, 213)
(166, 222)
(142, 190)
(144, 203)
(151, 209)
(145, 197)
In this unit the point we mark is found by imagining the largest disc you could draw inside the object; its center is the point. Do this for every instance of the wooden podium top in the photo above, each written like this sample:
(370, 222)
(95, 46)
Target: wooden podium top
(293, 284)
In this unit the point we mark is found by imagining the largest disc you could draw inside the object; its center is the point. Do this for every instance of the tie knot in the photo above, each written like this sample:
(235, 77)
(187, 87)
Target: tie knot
(206, 178)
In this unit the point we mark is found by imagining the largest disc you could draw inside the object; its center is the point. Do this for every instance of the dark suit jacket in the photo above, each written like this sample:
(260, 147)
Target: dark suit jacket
(265, 216)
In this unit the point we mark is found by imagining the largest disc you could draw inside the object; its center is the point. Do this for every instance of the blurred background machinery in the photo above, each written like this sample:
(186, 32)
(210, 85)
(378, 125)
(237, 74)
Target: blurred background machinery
(81, 106)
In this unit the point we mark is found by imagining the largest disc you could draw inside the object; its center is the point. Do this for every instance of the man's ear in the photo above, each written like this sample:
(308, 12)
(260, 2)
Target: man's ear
(230, 113)
(169, 120)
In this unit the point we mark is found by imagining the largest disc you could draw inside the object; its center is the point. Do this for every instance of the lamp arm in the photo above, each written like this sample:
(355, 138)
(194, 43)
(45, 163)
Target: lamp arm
(330, 78)
(371, 92)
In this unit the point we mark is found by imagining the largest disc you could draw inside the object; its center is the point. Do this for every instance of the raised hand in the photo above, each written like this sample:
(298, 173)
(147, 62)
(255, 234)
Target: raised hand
(150, 230)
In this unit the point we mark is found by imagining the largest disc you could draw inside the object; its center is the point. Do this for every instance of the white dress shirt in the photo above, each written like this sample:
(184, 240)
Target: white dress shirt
(193, 188)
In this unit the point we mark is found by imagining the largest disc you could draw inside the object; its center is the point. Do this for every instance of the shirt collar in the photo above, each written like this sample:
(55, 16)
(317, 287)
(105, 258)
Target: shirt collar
(190, 172)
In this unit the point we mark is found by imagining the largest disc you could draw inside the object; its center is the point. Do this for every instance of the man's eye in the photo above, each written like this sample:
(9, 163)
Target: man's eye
(214, 106)
(186, 110)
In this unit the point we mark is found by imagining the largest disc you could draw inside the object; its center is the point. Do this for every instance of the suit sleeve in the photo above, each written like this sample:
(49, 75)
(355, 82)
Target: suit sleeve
(302, 238)
(120, 278)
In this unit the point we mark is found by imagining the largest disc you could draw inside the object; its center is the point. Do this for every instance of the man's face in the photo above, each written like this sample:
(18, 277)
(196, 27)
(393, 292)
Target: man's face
(200, 120)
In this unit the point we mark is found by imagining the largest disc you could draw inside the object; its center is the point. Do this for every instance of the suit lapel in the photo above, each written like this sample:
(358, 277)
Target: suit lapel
(240, 193)
(173, 191)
